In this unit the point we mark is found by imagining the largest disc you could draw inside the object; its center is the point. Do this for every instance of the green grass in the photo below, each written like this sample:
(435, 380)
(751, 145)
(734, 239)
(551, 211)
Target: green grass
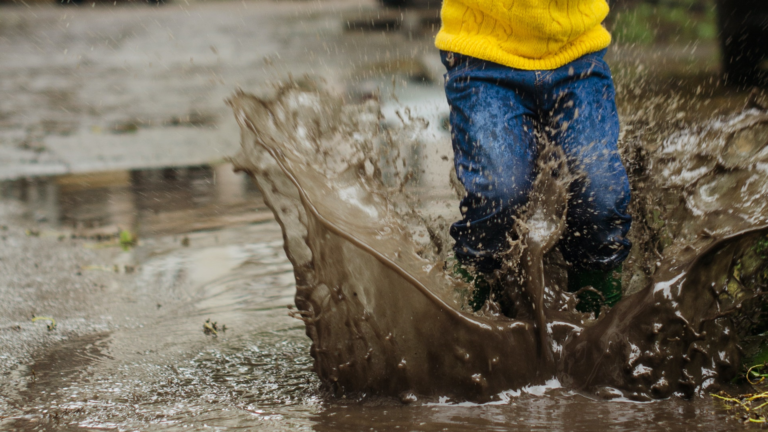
(668, 21)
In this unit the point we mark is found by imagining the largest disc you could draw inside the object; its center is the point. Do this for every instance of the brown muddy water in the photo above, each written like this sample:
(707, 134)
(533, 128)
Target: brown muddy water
(386, 315)
(208, 249)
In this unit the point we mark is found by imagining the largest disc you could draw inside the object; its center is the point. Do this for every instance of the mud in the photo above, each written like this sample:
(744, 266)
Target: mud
(386, 318)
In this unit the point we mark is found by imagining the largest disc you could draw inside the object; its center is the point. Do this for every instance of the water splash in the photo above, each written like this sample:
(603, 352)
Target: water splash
(386, 317)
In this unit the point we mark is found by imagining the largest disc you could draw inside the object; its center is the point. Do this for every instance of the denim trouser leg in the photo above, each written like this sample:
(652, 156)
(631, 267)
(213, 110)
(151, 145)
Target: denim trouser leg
(492, 125)
(581, 118)
(495, 113)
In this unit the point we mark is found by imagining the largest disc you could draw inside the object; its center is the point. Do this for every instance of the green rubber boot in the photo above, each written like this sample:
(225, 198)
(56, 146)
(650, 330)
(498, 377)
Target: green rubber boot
(603, 281)
(482, 290)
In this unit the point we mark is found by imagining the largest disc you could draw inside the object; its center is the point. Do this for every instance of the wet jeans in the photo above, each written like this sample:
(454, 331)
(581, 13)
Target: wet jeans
(497, 115)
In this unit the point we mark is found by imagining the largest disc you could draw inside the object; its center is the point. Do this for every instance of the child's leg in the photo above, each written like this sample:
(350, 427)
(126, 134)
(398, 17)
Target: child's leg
(582, 119)
(492, 125)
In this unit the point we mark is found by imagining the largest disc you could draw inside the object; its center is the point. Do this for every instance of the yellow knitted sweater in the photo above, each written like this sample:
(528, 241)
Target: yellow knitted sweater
(524, 34)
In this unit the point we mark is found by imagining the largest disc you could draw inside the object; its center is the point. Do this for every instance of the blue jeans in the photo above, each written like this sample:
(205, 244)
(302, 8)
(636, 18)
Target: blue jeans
(496, 114)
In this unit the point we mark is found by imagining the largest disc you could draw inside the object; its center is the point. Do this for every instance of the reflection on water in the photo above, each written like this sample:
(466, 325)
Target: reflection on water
(150, 202)
(554, 411)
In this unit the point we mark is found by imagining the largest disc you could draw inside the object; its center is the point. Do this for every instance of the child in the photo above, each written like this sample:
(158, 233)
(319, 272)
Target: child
(518, 69)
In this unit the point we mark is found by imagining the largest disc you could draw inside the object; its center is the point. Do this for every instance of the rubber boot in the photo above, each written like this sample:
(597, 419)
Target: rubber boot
(482, 289)
(603, 281)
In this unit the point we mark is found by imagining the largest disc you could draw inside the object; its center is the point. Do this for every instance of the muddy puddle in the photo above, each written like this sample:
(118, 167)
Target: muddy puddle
(152, 367)
(386, 318)
(148, 202)
(210, 250)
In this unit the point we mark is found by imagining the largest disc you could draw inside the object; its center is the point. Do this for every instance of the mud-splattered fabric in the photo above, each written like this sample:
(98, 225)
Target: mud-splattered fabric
(386, 318)
(498, 116)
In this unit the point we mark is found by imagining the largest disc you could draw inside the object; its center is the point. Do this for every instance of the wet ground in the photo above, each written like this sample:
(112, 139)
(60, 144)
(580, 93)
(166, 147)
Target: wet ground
(112, 117)
(129, 351)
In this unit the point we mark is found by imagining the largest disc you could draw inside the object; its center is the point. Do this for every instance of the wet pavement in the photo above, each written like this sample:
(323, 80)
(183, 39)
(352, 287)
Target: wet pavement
(113, 117)
(135, 86)
(146, 202)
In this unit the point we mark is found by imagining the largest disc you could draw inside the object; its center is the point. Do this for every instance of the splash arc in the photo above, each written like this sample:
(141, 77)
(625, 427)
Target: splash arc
(384, 319)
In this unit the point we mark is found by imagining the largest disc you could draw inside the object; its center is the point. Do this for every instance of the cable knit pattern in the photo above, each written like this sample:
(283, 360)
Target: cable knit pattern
(524, 34)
